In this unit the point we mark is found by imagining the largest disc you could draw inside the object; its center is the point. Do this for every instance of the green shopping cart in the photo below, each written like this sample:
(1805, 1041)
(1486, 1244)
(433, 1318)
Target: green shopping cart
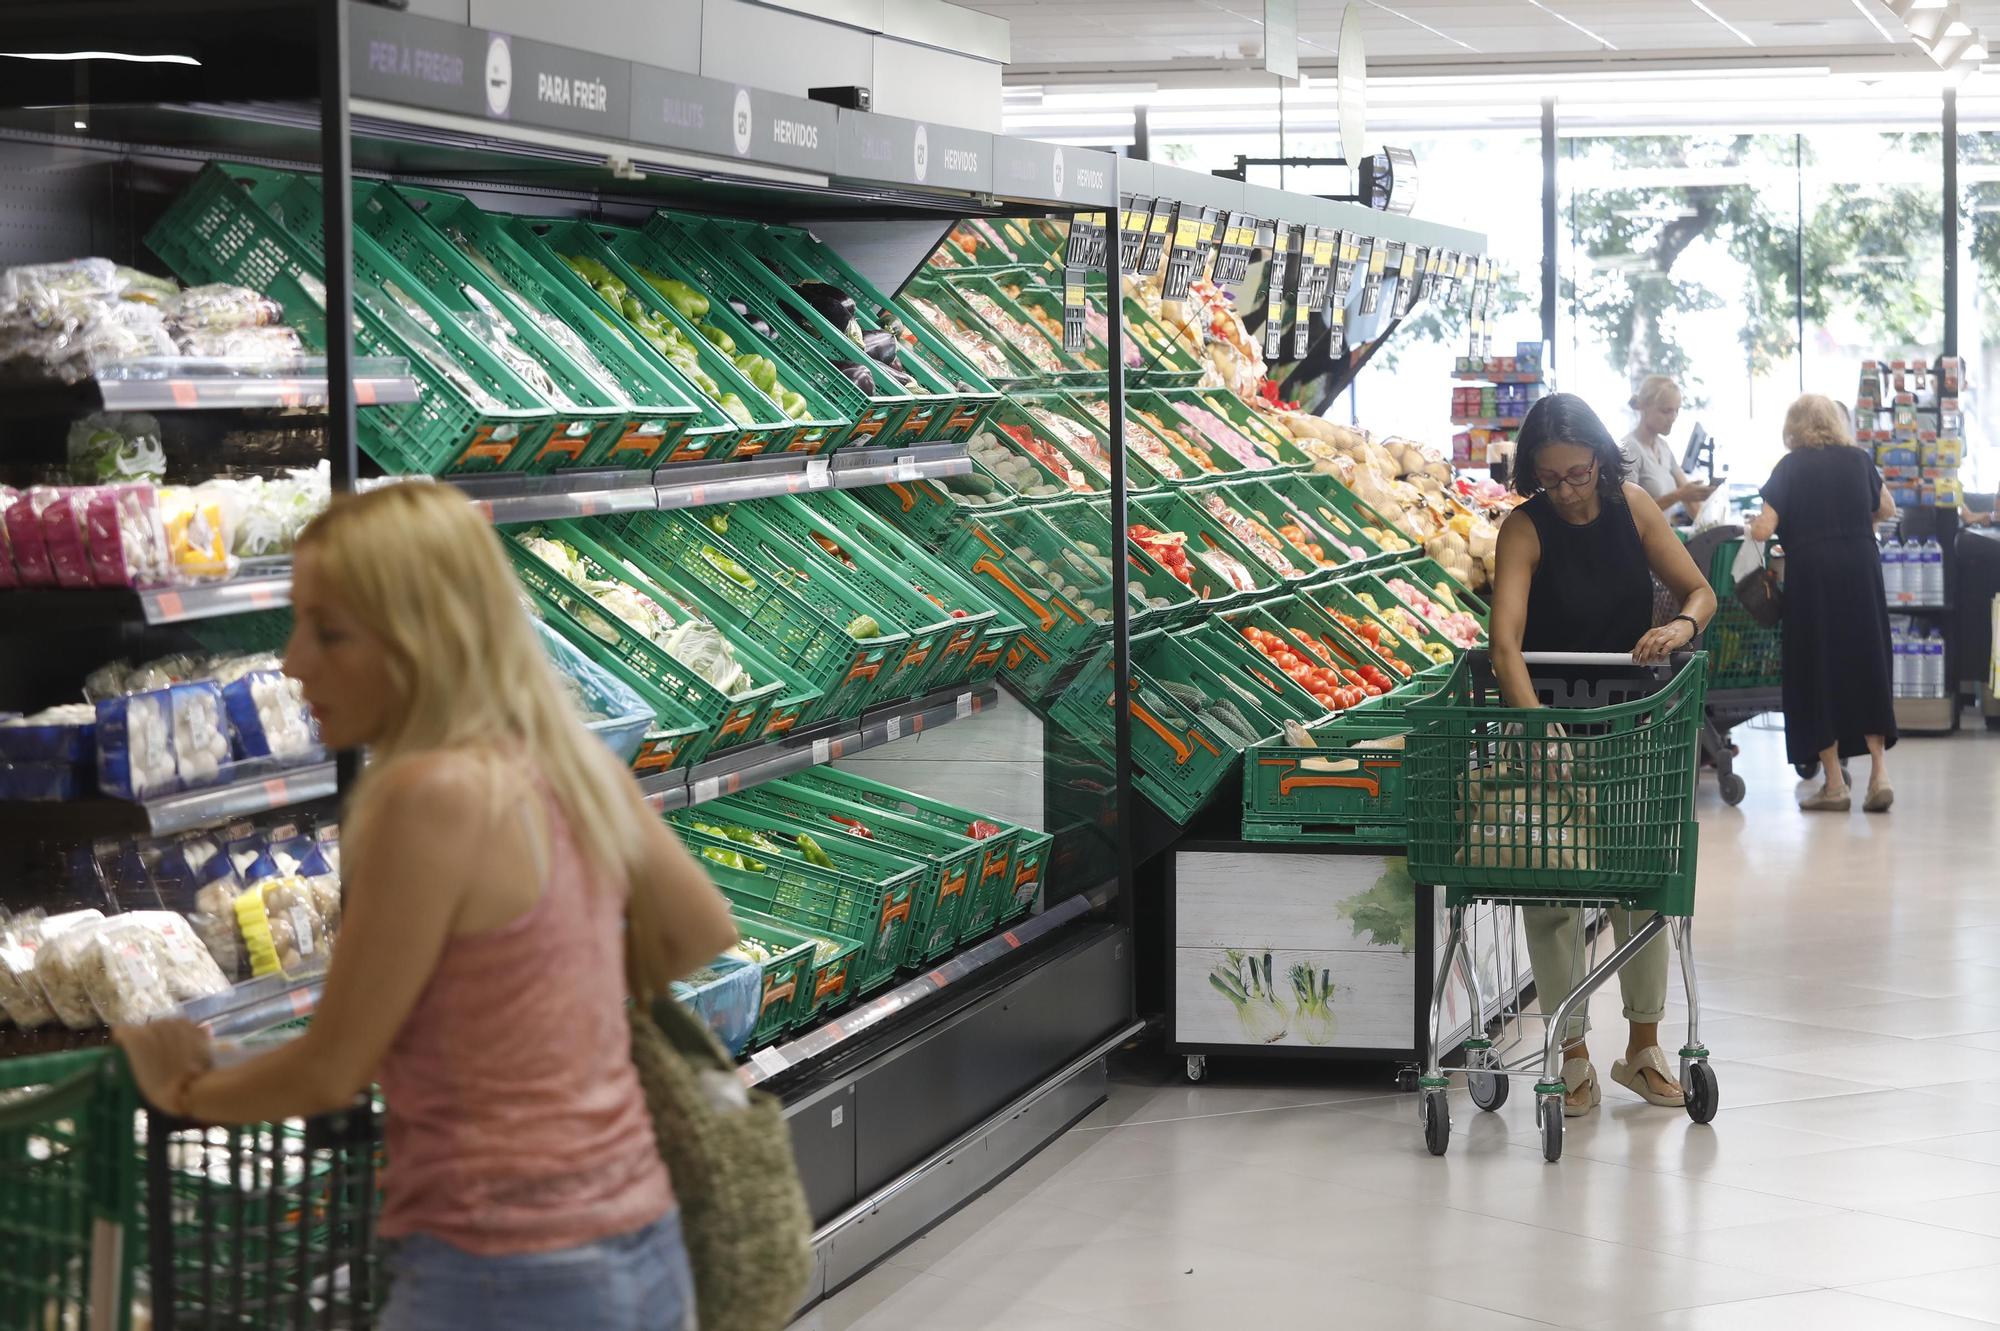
(1587, 801)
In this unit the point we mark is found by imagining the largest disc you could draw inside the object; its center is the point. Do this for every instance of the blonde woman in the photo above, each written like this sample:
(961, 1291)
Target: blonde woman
(1821, 503)
(506, 887)
(1654, 467)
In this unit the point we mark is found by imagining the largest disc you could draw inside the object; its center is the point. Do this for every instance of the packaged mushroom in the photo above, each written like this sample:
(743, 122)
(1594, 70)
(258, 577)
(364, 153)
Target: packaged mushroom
(21, 941)
(59, 970)
(145, 965)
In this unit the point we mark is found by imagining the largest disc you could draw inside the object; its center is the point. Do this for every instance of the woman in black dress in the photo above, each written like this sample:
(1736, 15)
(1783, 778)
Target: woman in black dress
(1822, 502)
(1574, 573)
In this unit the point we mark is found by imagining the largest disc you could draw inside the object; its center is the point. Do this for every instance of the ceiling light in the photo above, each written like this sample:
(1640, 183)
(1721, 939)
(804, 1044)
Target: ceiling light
(1740, 35)
(82, 125)
(1574, 24)
(102, 55)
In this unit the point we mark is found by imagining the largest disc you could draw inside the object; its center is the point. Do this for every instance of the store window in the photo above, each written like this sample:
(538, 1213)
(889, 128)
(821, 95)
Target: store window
(1979, 292)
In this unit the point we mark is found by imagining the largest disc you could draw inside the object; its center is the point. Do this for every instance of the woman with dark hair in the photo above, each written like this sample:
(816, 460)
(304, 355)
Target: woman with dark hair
(1574, 573)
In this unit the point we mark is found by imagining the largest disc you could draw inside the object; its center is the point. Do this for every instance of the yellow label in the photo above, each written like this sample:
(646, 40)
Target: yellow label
(1340, 316)
(1073, 294)
(1378, 261)
(1323, 253)
(1186, 232)
(1282, 238)
(1409, 264)
(1207, 230)
(255, 924)
(1160, 221)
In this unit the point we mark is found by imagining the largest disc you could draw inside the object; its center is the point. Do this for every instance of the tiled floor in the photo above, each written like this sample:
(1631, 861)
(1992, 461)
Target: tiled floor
(1851, 981)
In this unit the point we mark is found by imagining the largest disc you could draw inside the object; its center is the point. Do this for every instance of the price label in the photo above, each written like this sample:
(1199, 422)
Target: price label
(964, 705)
(822, 751)
(769, 1062)
(894, 728)
(819, 473)
(706, 789)
(907, 469)
(1378, 261)
(1075, 312)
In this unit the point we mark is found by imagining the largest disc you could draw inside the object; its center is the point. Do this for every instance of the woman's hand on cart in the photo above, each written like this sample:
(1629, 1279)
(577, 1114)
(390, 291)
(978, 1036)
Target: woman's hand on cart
(166, 1056)
(1661, 643)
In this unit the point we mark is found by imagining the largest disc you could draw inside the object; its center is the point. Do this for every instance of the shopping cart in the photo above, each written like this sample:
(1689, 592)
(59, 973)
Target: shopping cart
(1746, 660)
(1587, 802)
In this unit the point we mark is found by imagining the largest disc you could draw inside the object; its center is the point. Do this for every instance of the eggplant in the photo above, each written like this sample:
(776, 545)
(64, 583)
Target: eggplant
(742, 311)
(833, 304)
(858, 374)
(880, 346)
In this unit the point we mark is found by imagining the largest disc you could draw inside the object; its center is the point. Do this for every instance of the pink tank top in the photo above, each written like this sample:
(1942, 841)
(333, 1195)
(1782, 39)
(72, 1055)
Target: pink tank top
(515, 1119)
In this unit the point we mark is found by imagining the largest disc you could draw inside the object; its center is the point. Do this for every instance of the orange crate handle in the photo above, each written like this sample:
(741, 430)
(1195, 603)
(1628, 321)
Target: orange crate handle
(1001, 576)
(830, 983)
(899, 911)
(953, 886)
(789, 989)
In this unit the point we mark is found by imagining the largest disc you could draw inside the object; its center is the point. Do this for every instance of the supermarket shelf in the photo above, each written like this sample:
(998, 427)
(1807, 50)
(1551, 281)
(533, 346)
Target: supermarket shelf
(1474, 377)
(818, 1043)
(755, 764)
(263, 585)
(194, 391)
(1488, 422)
(265, 789)
(584, 494)
(1946, 609)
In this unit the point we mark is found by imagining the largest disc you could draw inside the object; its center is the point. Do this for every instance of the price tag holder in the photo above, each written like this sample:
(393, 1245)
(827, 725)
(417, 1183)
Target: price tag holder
(769, 1061)
(1076, 333)
(894, 728)
(704, 790)
(822, 751)
(1387, 255)
(964, 707)
(1298, 288)
(1182, 256)
(1166, 212)
(819, 473)
(1133, 213)
(1206, 243)
(1277, 305)
(1232, 256)
(1409, 279)
(907, 468)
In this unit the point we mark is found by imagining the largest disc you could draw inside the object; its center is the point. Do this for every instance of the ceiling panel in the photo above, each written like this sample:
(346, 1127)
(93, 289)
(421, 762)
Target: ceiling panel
(1056, 33)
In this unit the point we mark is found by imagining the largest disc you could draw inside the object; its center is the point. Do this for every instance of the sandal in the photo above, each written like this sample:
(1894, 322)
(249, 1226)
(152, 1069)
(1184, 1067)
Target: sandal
(1825, 803)
(1632, 1076)
(1577, 1074)
(1879, 798)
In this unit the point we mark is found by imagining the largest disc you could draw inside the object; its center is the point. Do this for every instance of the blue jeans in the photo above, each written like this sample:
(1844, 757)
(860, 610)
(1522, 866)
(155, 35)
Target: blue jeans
(633, 1282)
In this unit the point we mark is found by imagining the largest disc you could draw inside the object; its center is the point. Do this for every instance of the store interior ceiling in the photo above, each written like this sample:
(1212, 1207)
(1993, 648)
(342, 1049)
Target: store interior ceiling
(1080, 67)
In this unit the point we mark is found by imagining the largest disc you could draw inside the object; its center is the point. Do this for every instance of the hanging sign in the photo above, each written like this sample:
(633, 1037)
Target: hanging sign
(1165, 213)
(1134, 216)
(1277, 291)
(1182, 254)
(1381, 254)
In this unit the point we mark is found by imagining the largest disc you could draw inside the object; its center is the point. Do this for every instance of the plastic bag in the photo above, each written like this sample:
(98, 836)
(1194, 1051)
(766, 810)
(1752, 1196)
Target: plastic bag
(727, 995)
(612, 711)
(127, 543)
(21, 940)
(198, 535)
(1715, 511)
(59, 970)
(110, 446)
(151, 744)
(220, 307)
(1749, 559)
(144, 965)
(268, 716)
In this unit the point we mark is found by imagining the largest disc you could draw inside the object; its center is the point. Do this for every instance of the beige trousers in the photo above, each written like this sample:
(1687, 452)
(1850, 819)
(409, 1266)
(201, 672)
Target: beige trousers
(1557, 949)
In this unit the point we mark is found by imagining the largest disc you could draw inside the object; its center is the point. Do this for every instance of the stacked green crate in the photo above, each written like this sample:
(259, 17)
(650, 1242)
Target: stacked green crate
(797, 257)
(582, 257)
(1328, 548)
(1224, 573)
(990, 894)
(1344, 515)
(857, 590)
(1022, 562)
(1162, 453)
(934, 914)
(1207, 460)
(939, 308)
(472, 411)
(872, 901)
(1347, 789)
(799, 698)
(1426, 653)
(760, 605)
(1005, 312)
(678, 695)
(808, 972)
(1235, 512)
(665, 403)
(1227, 420)
(953, 858)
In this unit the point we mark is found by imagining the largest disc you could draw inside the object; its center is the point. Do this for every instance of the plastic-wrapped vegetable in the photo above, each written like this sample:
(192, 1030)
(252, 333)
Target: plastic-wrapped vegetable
(267, 713)
(116, 446)
(21, 939)
(198, 534)
(24, 537)
(610, 708)
(154, 743)
(59, 971)
(141, 966)
(55, 509)
(124, 536)
(220, 307)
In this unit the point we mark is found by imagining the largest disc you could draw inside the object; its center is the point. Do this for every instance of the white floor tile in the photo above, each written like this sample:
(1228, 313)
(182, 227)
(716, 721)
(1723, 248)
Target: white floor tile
(1973, 1293)
(1848, 1248)
(1820, 1310)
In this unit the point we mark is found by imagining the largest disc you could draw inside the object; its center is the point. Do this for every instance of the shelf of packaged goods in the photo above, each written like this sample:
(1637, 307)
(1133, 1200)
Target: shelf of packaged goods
(1488, 422)
(262, 585)
(815, 1045)
(740, 769)
(266, 789)
(1512, 377)
(1898, 609)
(204, 388)
(512, 499)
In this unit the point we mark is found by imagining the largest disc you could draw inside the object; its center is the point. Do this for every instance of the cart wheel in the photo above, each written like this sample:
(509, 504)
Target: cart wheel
(1437, 1122)
(1550, 1109)
(1807, 771)
(1702, 1096)
(1489, 1089)
(1733, 788)
(1197, 1067)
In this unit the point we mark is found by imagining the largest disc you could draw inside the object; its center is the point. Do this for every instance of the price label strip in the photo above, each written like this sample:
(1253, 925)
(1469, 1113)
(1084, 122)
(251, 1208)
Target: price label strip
(1232, 258)
(1379, 255)
(1134, 213)
(1075, 332)
(1309, 288)
(1210, 239)
(1278, 292)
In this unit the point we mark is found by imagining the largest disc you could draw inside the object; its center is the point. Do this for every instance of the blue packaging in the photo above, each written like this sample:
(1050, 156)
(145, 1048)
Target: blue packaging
(727, 995)
(49, 743)
(43, 781)
(283, 729)
(616, 714)
(154, 743)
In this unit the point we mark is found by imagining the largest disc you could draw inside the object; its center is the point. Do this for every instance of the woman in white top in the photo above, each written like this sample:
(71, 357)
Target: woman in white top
(1654, 467)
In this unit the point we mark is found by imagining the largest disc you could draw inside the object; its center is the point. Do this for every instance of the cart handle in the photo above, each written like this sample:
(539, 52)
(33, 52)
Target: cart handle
(1594, 658)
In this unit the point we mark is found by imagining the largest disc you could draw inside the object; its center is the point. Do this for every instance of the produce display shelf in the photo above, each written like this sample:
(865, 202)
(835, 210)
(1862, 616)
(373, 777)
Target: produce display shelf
(1489, 422)
(262, 585)
(817, 1044)
(511, 497)
(206, 386)
(752, 765)
(261, 791)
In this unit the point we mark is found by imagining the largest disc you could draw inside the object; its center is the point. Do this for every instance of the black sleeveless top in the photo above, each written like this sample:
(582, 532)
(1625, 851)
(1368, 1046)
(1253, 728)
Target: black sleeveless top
(1593, 590)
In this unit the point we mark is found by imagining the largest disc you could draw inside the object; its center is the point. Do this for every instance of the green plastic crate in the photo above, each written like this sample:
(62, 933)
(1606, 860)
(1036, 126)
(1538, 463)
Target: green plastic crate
(1330, 641)
(664, 403)
(771, 543)
(1031, 863)
(1270, 443)
(671, 687)
(552, 241)
(931, 511)
(954, 859)
(1020, 562)
(1006, 318)
(933, 913)
(68, 1179)
(829, 422)
(1426, 574)
(216, 231)
(798, 698)
(762, 606)
(1059, 415)
(1056, 472)
(874, 906)
(1202, 458)
(1164, 457)
(1743, 654)
(1344, 515)
(799, 983)
(1223, 503)
(1085, 524)
(1411, 625)
(936, 306)
(1176, 512)
(1277, 505)
(990, 888)
(797, 256)
(1427, 654)
(892, 414)
(1289, 797)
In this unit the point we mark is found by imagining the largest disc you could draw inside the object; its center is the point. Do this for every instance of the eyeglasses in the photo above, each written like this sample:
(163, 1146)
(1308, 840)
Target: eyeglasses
(1575, 477)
